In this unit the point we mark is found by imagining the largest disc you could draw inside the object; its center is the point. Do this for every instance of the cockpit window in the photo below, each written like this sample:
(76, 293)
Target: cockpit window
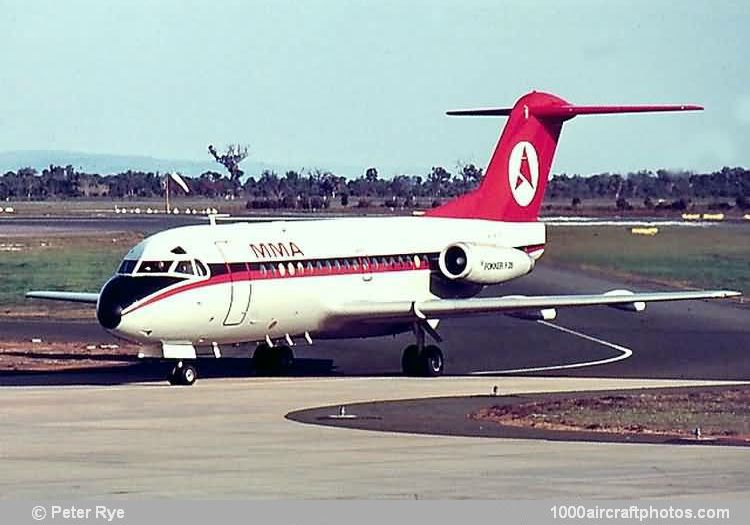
(179, 250)
(154, 266)
(127, 266)
(185, 267)
(202, 271)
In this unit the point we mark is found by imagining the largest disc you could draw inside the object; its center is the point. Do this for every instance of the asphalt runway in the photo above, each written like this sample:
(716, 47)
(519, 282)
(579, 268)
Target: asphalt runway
(228, 439)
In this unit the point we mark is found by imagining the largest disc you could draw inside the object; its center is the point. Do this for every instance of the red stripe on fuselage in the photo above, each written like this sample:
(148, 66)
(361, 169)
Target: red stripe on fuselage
(275, 274)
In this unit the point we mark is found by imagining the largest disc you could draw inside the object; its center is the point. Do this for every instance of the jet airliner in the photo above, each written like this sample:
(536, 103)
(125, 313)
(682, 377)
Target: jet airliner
(191, 291)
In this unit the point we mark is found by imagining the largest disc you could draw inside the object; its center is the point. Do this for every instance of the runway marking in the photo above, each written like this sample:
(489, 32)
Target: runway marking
(625, 353)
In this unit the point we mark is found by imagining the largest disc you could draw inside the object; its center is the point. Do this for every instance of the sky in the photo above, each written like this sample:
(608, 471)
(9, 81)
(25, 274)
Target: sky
(364, 83)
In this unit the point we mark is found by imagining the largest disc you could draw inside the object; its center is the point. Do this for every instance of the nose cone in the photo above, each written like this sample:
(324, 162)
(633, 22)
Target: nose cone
(111, 303)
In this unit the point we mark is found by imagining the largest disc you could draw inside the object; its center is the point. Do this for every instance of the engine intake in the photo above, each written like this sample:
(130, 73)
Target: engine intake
(483, 263)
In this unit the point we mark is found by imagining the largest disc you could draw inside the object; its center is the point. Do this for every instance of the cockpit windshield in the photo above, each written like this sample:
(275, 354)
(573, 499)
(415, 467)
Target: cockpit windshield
(127, 266)
(163, 267)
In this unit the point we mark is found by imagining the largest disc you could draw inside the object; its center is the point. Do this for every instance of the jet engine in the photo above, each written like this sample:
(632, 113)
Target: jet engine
(483, 263)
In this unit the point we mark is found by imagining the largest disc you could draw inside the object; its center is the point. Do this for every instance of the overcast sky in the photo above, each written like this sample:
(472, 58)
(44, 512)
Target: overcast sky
(354, 83)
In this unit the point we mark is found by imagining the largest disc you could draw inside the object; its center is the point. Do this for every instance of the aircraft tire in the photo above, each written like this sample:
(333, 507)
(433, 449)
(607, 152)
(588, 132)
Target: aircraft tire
(188, 374)
(174, 376)
(182, 374)
(273, 361)
(432, 361)
(262, 359)
(284, 359)
(410, 363)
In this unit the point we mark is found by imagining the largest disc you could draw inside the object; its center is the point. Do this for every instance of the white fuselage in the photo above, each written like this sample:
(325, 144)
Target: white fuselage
(245, 282)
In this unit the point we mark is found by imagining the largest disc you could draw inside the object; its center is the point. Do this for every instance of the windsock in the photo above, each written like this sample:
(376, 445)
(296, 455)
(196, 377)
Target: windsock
(180, 181)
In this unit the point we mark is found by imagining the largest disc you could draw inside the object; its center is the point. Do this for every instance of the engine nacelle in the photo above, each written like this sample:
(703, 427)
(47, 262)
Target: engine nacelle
(483, 263)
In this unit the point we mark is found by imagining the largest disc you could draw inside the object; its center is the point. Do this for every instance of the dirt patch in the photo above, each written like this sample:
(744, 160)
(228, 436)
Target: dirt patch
(42, 357)
(717, 413)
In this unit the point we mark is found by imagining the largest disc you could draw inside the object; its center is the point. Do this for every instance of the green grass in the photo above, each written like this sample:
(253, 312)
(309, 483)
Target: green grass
(716, 257)
(79, 263)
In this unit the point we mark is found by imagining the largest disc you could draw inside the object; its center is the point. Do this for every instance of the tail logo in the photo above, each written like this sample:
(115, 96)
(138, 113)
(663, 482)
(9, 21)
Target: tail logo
(523, 172)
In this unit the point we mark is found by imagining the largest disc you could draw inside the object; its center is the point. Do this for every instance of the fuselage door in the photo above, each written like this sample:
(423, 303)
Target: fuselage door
(241, 288)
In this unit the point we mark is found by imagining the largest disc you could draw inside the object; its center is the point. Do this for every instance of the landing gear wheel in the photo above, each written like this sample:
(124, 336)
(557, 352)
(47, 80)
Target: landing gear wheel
(183, 374)
(410, 361)
(432, 362)
(273, 361)
(262, 358)
(284, 359)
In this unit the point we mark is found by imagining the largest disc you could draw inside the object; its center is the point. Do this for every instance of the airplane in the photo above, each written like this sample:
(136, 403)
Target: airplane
(193, 290)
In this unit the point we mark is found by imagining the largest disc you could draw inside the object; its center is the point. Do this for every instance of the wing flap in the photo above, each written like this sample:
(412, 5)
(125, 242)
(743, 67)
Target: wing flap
(73, 297)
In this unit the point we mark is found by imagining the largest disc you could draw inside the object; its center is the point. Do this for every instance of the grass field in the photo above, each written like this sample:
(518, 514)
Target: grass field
(718, 412)
(688, 256)
(54, 262)
(716, 256)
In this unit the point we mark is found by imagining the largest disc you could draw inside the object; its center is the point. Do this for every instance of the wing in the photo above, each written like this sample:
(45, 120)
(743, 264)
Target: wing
(74, 297)
(443, 308)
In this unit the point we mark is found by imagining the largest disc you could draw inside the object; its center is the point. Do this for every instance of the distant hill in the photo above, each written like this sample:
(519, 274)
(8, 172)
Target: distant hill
(105, 164)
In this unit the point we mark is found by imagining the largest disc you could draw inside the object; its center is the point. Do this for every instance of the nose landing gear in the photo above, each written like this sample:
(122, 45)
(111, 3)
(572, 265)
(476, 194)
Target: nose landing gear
(183, 374)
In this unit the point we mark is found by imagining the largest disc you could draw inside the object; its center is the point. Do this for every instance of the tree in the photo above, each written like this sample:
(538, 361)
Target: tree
(235, 154)
(439, 178)
(623, 204)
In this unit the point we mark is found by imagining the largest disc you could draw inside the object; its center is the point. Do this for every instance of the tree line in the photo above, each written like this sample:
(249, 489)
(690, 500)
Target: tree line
(319, 188)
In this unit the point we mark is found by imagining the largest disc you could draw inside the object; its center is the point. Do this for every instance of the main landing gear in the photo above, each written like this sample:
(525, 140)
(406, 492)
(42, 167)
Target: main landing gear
(421, 360)
(183, 374)
(276, 360)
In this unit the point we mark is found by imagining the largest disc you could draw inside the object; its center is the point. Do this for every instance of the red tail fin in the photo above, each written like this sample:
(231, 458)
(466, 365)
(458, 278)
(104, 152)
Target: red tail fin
(516, 177)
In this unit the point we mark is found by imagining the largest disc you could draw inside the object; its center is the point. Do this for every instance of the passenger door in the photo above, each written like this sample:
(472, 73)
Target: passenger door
(241, 288)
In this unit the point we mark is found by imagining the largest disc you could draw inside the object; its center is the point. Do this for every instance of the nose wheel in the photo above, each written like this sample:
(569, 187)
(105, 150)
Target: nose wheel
(183, 374)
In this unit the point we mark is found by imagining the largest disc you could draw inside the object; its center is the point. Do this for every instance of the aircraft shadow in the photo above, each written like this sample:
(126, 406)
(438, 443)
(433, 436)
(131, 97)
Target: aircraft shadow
(135, 370)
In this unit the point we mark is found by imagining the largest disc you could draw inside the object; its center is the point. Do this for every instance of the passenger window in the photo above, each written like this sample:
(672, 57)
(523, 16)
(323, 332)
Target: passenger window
(309, 267)
(300, 268)
(185, 267)
(282, 269)
(263, 270)
(355, 264)
(290, 268)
